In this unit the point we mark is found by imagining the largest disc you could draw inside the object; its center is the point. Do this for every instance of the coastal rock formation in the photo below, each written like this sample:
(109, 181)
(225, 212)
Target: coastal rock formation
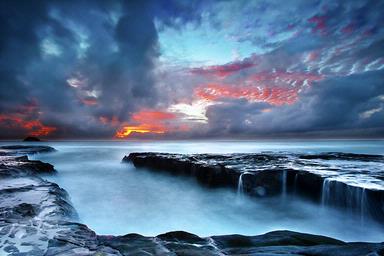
(36, 218)
(332, 179)
(275, 243)
(24, 150)
(32, 139)
(30, 207)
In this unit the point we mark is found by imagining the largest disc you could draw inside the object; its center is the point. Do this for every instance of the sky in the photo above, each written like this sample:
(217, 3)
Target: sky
(173, 69)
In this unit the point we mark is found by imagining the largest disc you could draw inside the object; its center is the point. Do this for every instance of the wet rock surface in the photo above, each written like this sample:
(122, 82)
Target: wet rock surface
(354, 182)
(31, 209)
(24, 150)
(36, 218)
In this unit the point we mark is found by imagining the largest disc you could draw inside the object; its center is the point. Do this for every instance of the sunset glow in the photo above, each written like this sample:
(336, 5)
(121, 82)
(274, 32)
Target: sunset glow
(191, 70)
(31, 127)
(274, 96)
(126, 131)
(149, 121)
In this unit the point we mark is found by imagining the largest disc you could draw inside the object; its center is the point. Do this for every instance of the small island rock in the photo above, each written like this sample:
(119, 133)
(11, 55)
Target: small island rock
(31, 138)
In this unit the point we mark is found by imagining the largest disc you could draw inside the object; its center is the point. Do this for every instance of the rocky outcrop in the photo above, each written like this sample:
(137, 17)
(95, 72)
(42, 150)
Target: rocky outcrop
(31, 209)
(24, 150)
(319, 177)
(36, 218)
(84, 242)
(31, 138)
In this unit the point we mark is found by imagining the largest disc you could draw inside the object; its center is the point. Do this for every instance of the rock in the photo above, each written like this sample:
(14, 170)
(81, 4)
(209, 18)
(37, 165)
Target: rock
(272, 243)
(275, 238)
(25, 210)
(24, 150)
(36, 218)
(30, 138)
(344, 156)
(31, 209)
(259, 175)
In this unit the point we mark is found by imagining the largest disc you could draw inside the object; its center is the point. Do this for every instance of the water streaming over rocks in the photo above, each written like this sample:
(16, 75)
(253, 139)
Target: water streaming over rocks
(284, 184)
(240, 189)
(37, 219)
(333, 179)
(351, 198)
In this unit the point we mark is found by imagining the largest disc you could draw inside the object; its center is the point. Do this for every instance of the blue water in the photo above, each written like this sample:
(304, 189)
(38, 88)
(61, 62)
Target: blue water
(115, 198)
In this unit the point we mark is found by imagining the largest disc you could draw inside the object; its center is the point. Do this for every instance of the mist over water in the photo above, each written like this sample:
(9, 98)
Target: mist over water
(116, 198)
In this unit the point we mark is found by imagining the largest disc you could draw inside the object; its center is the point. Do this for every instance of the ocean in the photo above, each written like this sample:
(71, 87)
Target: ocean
(115, 198)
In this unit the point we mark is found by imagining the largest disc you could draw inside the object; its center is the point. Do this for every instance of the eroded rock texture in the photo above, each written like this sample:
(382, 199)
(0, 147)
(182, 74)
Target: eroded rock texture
(36, 218)
(350, 181)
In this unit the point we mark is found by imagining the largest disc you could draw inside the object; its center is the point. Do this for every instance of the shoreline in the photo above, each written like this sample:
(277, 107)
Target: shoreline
(38, 219)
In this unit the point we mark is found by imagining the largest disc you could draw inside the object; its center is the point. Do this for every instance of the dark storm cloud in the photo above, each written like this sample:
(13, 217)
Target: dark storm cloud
(82, 69)
(352, 106)
(17, 30)
(81, 62)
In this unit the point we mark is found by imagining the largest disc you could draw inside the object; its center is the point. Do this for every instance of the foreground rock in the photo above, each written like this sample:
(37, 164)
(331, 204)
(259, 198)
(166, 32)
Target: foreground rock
(349, 181)
(36, 218)
(275, 243)
(32, 210)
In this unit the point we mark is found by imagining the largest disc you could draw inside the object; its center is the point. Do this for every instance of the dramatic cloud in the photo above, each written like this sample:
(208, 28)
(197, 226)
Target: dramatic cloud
(188, 69)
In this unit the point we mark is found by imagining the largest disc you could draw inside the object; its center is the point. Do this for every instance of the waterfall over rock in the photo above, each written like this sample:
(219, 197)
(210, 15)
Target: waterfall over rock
(336, 180)
(284, 185)
(351, 198)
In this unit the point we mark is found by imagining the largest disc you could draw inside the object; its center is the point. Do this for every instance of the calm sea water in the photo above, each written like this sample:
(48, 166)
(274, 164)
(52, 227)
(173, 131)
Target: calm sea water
(115, 198)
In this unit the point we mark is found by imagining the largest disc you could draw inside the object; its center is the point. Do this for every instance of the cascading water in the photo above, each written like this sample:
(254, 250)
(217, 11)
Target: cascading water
(284, 185)
(325, 193)
(240, 190)
(240, 185)
(295, 182)
(362, 205)
(351, 198)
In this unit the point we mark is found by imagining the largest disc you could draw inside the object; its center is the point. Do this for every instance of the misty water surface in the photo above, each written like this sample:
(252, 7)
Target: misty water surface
(115, 198)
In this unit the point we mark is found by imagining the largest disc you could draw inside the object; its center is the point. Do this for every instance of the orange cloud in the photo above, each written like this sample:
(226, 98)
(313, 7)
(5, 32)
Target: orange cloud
(126, 131)
(32, 127)
(147, 121)
(148, 116)
(112, 121)
(275, 96)
(276, 88)
(26, 117)
(89, 101)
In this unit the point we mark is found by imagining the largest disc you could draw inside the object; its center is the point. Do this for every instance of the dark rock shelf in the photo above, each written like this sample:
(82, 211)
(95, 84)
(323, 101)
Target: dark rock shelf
(270, 174)
(24, 150)
(36, 218)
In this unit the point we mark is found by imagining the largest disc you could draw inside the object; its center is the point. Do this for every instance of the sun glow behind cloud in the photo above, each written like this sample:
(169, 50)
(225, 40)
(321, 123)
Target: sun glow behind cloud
(194, 112)
(126, 131)
(151, 122)
(190, 69)
(26, 119)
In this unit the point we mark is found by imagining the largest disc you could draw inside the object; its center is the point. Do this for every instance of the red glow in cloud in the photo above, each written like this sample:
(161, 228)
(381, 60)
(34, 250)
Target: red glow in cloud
(89, 101)
(320, 23)
(32, 127)
(276, 88)
(26, 118)
(312, 56)
(223, 70)
(127, 130)
(348, 29)
(112, 121)
(147, 121)
(149, 116)
(275, 96)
